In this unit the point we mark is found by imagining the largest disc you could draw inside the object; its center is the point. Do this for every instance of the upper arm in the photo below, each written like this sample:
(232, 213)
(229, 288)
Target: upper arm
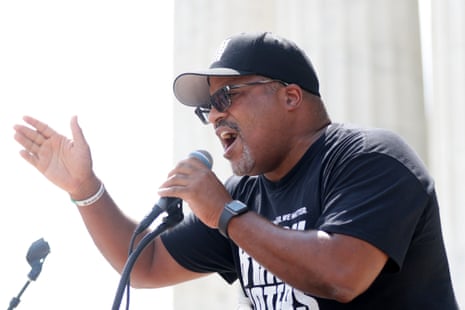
(164, 270)
(352, 264)
(189, 251)
(376, 199)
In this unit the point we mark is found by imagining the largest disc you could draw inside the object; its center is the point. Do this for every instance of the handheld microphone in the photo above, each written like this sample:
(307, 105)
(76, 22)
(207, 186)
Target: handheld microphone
(166, 203)
(173, 206)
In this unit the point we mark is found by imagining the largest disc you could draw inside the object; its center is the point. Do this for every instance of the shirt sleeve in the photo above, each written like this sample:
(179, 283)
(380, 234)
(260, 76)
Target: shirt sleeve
(199, 248)
(376, 198)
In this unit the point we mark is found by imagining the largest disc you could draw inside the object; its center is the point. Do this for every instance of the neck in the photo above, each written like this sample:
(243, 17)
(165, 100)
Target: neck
(300, 145)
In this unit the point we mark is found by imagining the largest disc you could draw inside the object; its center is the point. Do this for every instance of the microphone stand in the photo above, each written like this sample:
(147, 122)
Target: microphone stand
(174, 217)
(15, 300)
(36, 255)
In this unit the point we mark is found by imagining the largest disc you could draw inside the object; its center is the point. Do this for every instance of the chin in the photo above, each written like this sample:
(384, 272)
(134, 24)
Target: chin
(245, 164)
(241, 169)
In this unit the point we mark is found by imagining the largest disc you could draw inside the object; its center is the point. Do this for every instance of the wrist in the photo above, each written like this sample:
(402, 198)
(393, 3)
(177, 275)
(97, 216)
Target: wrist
(91, 199)
(85, 189)
(231, 210)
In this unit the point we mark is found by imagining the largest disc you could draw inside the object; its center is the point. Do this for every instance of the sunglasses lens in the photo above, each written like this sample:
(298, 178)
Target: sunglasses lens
(202, 114)
(220, 100)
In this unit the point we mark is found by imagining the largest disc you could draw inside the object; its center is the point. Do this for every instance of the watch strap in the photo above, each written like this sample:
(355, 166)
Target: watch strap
(230, 210)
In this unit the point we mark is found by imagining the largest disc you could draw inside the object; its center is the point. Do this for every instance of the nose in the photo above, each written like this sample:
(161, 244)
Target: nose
(215, 116)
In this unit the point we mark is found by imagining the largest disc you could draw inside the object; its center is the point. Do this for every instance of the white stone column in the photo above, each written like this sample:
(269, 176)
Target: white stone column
(200, 27)
(367, 54)
(446, 122)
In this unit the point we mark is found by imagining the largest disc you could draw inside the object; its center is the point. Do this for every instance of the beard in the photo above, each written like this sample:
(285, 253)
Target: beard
(245, 164)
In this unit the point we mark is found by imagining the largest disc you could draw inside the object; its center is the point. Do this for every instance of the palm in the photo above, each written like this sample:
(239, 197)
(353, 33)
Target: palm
(66, 163)
(63, 162)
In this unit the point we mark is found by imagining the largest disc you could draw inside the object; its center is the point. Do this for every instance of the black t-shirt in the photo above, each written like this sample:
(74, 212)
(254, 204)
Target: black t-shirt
(364, 183)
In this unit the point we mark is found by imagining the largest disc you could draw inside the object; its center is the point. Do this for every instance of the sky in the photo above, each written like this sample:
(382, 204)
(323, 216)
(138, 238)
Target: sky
(110, 63)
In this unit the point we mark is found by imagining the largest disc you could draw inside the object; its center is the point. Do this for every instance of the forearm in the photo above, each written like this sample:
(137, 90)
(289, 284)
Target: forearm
(67, 163)
(311, 261)
(111, 232)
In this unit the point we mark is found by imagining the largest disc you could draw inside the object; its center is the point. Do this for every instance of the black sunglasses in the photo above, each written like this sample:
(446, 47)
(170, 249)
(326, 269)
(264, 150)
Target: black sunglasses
(221, 99)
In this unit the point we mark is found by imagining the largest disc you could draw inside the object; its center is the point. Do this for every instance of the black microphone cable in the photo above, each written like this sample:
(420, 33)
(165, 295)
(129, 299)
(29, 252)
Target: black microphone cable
(173, 207)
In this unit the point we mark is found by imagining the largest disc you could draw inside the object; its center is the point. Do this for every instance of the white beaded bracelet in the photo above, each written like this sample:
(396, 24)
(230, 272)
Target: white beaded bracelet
(92, 199)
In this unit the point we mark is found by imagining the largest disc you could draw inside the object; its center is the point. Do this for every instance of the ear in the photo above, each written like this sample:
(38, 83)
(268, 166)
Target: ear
(293, 96)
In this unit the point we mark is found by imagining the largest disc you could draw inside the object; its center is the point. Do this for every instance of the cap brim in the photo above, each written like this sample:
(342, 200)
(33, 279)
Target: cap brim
(192, 88)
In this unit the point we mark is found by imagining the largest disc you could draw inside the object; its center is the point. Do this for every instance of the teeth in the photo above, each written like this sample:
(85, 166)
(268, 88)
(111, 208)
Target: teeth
(227, 135)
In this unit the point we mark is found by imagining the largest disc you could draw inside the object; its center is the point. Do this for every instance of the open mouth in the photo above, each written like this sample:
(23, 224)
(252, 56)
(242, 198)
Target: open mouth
(227, 138)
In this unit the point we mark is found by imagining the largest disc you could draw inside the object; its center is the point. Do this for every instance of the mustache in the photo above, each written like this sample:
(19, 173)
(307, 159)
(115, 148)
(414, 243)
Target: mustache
(225, 123)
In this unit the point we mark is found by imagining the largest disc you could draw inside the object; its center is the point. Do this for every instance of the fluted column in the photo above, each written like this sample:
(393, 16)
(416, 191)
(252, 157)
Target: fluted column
(200, 27)
(447, 120)
(367, 54)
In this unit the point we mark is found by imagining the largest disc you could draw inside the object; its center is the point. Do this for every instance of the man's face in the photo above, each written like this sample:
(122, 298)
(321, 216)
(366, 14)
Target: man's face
(250, 130)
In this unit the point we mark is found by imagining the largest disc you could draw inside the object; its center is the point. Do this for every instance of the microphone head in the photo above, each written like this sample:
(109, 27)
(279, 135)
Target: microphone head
(203, 156)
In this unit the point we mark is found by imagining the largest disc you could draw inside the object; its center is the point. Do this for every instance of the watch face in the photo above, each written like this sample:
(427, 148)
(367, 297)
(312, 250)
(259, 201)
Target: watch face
(230, 210)
(236, 206)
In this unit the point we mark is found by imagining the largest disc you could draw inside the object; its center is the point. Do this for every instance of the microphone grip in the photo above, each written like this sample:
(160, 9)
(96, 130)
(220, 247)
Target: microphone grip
(148, 219)
(166, 203)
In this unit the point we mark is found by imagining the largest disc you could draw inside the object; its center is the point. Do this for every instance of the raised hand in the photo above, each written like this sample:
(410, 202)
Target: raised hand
(66, 163)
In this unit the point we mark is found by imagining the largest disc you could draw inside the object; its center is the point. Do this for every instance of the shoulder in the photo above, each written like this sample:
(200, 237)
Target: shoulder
(239, 185)
(345, 142)
(367, 140)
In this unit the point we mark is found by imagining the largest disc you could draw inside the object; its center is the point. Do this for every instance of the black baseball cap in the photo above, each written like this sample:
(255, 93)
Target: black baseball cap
(262, 53)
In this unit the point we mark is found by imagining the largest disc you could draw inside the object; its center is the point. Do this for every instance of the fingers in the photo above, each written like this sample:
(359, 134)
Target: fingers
(187, 172)
(175, 183)
(30, 134)
(177, 179)
(30, 139)
(29, 157)
(33, 138)
(41, 127)
(188, 166)
(186, 179)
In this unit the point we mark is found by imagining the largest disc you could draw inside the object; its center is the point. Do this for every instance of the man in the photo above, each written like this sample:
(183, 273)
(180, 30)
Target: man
(317, 215)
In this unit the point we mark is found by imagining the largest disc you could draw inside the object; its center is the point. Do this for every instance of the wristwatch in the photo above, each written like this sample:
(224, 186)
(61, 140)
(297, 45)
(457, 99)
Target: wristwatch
(231, 209)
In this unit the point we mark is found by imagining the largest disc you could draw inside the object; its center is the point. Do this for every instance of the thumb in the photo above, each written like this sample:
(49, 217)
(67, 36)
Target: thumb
(76, 131)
